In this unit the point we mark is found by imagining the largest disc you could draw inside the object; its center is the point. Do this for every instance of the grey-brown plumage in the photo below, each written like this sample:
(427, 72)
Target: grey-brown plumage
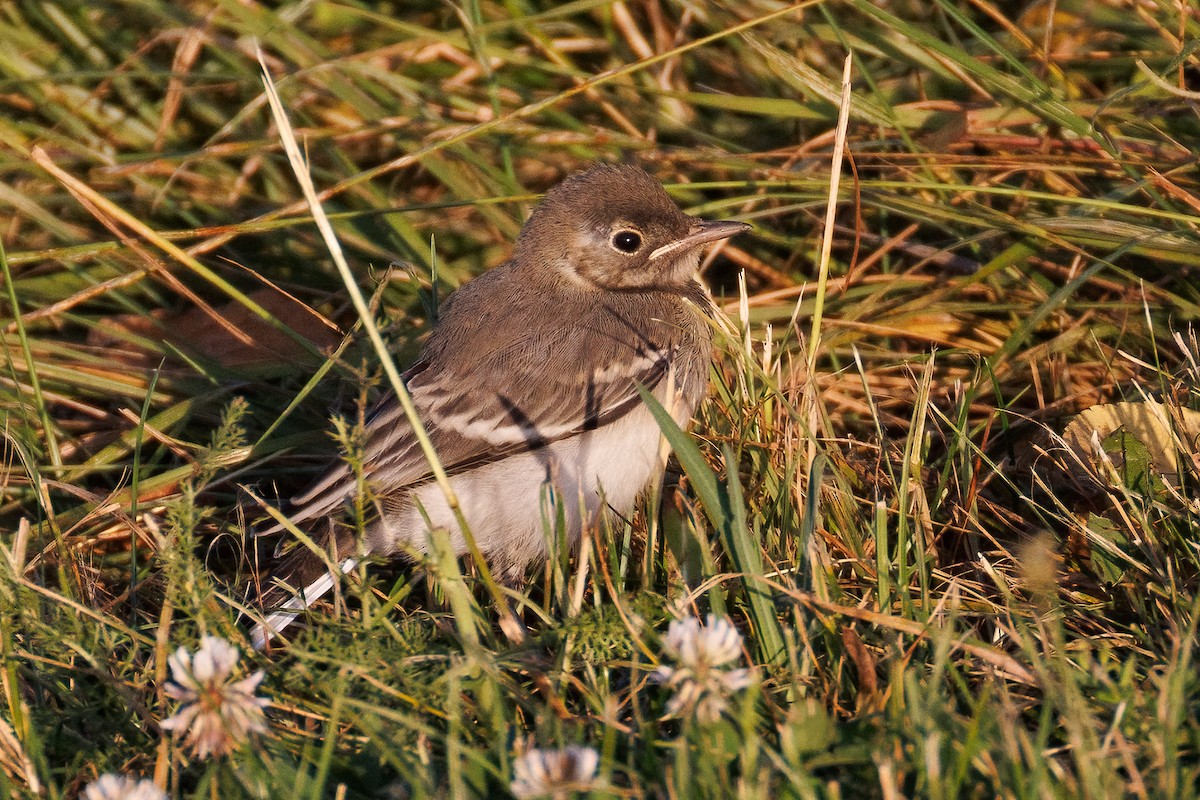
(528, 383)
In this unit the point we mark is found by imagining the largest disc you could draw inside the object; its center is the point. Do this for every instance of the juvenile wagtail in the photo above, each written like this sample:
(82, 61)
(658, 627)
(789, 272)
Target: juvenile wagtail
(528, 389)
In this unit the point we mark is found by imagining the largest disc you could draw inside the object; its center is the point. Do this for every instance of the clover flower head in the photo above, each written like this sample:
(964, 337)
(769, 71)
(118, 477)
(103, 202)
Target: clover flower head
(701, 677)
(218, 713)
(120, 787)
(554, 773)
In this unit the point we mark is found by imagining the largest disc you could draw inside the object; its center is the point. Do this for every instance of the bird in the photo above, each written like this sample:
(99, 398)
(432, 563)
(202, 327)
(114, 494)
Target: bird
(528, 388)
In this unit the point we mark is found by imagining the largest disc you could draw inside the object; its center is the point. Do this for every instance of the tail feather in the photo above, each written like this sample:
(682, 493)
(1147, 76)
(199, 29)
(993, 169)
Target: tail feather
(286, 613)
(302, 577)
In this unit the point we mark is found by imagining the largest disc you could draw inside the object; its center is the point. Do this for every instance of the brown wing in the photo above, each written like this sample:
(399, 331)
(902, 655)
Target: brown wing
(487, 387)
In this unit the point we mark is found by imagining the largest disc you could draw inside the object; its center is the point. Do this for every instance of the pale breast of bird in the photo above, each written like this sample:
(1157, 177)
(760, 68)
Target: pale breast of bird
(512, 507)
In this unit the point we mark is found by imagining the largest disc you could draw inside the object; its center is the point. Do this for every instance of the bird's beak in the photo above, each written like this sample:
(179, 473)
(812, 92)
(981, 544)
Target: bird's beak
(702, 232)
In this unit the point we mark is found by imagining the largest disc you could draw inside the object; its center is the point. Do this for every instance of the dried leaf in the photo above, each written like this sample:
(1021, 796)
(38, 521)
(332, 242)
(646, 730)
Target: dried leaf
(1163, 430)
(1141, 442)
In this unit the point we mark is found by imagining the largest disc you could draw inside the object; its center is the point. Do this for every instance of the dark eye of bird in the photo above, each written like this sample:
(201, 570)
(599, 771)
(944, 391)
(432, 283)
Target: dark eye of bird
(627, 241)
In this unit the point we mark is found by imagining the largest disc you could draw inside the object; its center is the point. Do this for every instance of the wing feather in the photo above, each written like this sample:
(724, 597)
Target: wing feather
(507, 394)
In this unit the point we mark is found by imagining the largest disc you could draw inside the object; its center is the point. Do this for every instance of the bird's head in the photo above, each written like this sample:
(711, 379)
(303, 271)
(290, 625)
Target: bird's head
(614, 227)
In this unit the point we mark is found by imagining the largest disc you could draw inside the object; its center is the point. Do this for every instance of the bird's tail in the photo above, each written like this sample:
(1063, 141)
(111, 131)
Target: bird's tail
(303, 576)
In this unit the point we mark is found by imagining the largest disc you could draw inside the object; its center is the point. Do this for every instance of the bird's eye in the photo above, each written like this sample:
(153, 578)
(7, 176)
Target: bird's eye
(627, 241)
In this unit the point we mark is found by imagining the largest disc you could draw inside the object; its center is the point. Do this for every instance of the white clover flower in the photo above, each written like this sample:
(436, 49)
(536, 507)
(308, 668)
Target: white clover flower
(700, 677)
(119, 787)
(218, 713)
(554, 773)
